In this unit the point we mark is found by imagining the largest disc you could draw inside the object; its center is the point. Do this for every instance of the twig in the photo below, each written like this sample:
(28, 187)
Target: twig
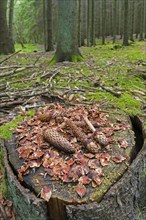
(12, 72)
(16, 66)
(8, 57)
(89, 124)
(99, 137)
(53, 76)
(117, 94)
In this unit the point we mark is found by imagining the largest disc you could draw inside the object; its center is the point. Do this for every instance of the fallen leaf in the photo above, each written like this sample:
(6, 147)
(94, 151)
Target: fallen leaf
(84, 179)
(46, 193)
(118, 158)
(81, 190)
(104, 159)
(123, 143)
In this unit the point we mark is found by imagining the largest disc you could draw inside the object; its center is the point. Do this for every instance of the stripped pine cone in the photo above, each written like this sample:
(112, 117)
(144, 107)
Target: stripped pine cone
(101, 138)
(45, 117)
(88, 143)
(57, 140)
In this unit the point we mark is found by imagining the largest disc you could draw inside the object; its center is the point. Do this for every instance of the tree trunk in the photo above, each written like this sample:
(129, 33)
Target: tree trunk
(131, 20)
(6, 45)
(141, 23)
(79, 22)
(11, 15)
(93, 24)
(97, 18)
(67, 40)
(114, 19)
(83, 21)
(103, 20)
(48, 25)
(88, 23)
(125, 38)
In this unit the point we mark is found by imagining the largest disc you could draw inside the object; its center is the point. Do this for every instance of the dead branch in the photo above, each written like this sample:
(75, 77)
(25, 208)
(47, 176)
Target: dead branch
(11, 104)
(9, 74)
(108, 89)
(8, 57)
(53, 76)
(16, 66)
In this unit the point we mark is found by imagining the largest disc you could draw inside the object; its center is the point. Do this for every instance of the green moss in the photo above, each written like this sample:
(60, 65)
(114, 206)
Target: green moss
(53, 61)
(6, 129)
(76, 58)
(29, 48)
(21, 85)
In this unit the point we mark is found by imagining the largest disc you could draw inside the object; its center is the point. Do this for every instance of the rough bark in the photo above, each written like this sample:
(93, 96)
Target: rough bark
(11, 15)
(67, 40)
(125, 38)
(131, 20)
(48, 22)
(141, 35)
(83, 21)
(27, 205)
(93, 24)
(114, 19)
(6, 45)
(103, 20)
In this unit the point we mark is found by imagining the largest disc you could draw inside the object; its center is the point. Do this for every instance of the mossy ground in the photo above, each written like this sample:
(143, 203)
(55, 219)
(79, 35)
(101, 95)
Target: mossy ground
(107, 64)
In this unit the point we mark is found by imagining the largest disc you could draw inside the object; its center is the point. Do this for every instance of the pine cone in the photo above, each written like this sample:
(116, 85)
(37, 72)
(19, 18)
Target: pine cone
(57, 140)
(44, 117)
(88, 143)
(101, 138)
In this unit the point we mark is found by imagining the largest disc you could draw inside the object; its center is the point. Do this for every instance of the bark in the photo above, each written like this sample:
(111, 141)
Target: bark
(83, 21)
(67, 42)
(103, 20)
(93, 24)
(131, 20)
(114, 19)
(48, 22)
(141, 37)
(6, 45)
(27, 205)
(11, 15)
(79, 23)
(126, 8)
(97, 18)
(88, 22)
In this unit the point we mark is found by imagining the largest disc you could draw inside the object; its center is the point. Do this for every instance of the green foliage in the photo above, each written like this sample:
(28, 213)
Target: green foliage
(28, 21)
(29, 48)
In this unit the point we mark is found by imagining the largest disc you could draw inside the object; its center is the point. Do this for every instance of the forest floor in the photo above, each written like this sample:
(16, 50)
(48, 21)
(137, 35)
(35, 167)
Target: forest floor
(111, 76)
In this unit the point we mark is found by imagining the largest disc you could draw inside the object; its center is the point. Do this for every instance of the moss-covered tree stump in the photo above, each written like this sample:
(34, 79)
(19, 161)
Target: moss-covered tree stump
(106, 184)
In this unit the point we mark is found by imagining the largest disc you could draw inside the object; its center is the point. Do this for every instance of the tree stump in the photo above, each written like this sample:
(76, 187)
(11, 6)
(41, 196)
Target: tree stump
(117, 191)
